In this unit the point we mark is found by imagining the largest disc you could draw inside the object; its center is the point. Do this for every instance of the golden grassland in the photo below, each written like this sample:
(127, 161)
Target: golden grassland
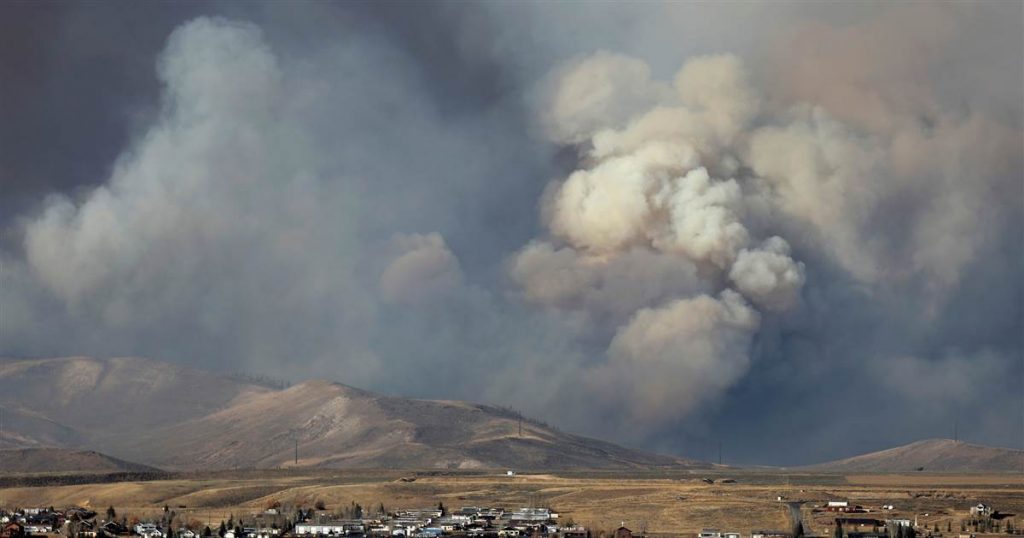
(665, 503)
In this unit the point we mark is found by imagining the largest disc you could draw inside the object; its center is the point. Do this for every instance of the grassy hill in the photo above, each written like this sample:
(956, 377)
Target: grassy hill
(933, 455)
(179, 418)
(61, 460)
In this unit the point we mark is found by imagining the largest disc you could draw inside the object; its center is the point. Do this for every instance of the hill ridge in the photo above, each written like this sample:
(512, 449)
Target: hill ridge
(935, 455)
(176, 417)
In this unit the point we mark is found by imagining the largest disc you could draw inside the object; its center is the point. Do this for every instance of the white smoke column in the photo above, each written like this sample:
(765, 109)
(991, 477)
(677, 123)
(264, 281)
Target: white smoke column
(422, 268)
(596, 92)
(650, 196)
(768, 276)
(614, 286)
(668, 360)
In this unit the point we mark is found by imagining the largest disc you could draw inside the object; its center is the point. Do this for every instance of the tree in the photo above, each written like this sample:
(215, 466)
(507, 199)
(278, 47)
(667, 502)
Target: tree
(440, 506)
(207, 531)
(222, 530)
(838, 532)
(909, 532)
(319, 505)
(111, 513)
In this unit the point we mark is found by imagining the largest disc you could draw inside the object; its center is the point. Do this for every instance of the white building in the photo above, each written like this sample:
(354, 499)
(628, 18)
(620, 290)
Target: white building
(981, 509)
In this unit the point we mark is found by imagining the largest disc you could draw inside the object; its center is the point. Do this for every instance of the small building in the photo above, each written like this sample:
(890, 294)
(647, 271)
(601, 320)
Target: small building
(623, 532)
(859, 522)
(842, 507)
(12, 529)
(38, 529)
(710, 533)
(769, 534)
(981, 509)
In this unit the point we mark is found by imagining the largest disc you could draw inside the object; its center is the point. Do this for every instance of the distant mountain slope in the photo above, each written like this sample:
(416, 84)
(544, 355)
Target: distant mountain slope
(937, 455)
(340, 426)
(92, 394)
(61, 460)
(179, 418)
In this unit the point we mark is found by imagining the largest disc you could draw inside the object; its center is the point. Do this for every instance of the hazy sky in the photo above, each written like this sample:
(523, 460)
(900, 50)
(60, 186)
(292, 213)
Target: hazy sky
(794, 228)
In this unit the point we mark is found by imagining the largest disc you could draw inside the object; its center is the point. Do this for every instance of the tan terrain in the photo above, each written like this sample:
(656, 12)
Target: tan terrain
(174, 417)
(666, 503)
(932, 455)
(62, 460)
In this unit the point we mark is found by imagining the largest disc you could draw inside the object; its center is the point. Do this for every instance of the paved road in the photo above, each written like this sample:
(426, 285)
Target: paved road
(796, 516)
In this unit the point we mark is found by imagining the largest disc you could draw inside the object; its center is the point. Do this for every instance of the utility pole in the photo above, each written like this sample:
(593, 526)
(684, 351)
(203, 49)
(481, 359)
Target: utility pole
(719, 451)
(294, 434)
(520, 425)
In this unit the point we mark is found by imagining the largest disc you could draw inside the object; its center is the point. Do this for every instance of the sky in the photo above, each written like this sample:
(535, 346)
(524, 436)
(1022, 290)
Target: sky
(794, 229)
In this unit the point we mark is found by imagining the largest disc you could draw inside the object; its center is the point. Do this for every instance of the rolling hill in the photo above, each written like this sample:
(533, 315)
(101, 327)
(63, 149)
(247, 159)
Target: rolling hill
(174, 417)
(931, 455)
(62, 460)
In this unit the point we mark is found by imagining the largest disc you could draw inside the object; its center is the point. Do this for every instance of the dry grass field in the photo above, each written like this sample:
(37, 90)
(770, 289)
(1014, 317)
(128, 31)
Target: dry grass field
(669, 504)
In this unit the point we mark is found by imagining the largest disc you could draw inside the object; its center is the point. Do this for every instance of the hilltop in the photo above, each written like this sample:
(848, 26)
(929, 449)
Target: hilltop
(934, 455)
(62, 460)
(174, 417)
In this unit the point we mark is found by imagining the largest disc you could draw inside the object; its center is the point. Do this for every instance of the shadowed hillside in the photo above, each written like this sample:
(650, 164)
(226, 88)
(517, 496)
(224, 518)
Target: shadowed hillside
(179, 418)
(61, 460)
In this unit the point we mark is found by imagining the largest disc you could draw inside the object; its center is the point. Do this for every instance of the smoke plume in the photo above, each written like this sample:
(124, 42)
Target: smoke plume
(660, 224)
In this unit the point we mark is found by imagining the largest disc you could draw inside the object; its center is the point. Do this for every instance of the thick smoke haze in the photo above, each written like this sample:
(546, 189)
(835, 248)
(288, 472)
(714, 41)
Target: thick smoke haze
(664, 225)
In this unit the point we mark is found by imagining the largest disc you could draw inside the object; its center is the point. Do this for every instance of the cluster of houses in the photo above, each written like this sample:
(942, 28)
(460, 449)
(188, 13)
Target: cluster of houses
(850, 524)
(468, 521)
(418, 523)
(430, 523)
(44, 521)
(715, 533)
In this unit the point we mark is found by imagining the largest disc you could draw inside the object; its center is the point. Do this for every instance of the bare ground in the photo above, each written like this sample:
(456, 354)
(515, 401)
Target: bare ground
(665, 503)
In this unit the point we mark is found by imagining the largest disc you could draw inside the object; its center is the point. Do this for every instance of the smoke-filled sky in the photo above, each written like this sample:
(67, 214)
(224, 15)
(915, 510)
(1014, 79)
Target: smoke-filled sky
(792, 228)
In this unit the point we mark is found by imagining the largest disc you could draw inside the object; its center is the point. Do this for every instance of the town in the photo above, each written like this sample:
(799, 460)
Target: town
(276, 521)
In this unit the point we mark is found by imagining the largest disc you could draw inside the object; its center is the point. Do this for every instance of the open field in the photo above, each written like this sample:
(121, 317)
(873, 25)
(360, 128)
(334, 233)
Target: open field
(667, 503)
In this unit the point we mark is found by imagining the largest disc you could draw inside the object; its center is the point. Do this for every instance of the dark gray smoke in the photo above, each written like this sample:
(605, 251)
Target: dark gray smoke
(660, 224)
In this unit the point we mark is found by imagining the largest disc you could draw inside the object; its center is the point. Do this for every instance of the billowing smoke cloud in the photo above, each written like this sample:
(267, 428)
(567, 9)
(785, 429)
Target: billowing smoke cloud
(667, 360)
(646, 188)
(647, 222)
(422, 268)
(738, 183)
(768, 276)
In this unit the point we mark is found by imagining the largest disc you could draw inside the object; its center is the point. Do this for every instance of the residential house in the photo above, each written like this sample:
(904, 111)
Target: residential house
(12, 529)
(769, 534)
(981, 509)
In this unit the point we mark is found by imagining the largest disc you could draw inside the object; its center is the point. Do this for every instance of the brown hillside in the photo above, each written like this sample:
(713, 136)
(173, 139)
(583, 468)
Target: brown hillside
(934, 455)
(180, 418)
